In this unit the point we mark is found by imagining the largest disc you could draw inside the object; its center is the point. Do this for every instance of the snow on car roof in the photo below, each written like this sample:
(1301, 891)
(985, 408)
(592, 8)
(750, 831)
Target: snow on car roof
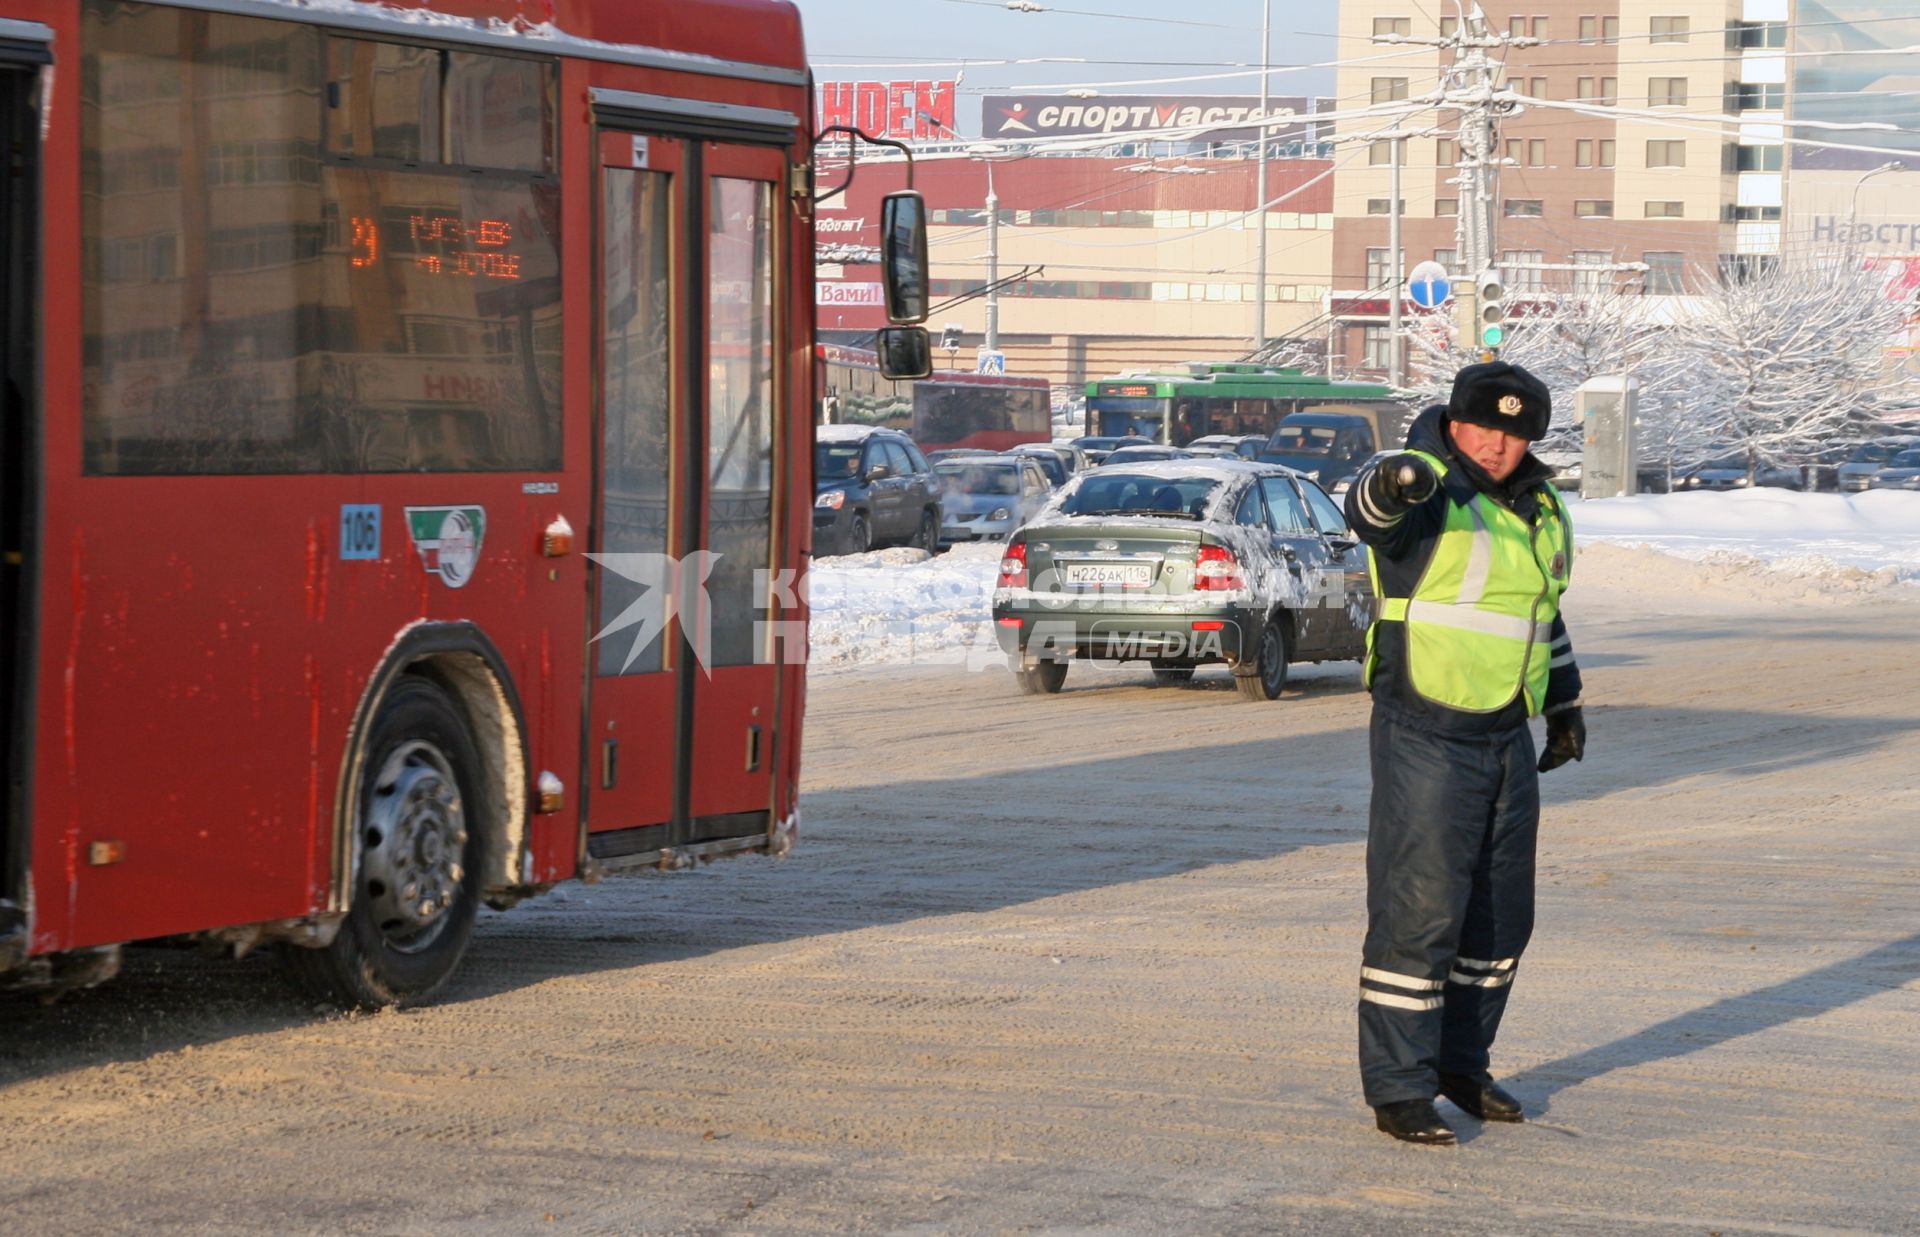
(845, 433)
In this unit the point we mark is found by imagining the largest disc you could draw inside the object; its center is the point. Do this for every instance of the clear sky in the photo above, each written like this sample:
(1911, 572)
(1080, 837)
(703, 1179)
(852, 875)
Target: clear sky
(1122, 42)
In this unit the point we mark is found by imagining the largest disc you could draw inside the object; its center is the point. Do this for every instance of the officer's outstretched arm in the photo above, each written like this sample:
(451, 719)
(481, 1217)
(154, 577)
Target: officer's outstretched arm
(1394, 504)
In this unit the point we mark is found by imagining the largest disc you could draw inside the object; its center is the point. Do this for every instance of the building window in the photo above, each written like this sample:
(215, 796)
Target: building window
(1592, 280)
(1756, 96)
(1449, 26)
(1589, 29)
(1757, 34)
(1537, 87)
(1449, 258)
(1665, 210)
(1667, 30)
(1380, 153)
(1380, 268)
(1516, 27)
(1446, 207)
(1666, 92)
(1746, 267)
(1609, 29)
(1752, 214)
(1609, 90)
(1402, 26)
(1539, 27)
(1373, 347)
(1606, 152)
(1446, 153)
(1604, 90)
(1757, 158)
(1666, 274)
(1662, 153)
(1514, 150)
(1389, 89)
(1384, 206)
(1522, 208)
(1536, 152)
(1593, 208)
(1522, 268)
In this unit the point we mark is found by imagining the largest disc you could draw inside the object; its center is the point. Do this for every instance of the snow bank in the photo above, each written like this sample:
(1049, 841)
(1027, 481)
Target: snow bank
(1781, 530)
(1662, 551)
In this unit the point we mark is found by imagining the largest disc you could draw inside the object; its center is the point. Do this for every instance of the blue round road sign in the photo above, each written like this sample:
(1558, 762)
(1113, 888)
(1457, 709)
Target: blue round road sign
(1428, 286)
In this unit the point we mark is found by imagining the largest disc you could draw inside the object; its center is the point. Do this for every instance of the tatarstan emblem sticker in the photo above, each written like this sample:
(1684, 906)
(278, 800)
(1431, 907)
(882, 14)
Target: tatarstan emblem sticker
(448, 539)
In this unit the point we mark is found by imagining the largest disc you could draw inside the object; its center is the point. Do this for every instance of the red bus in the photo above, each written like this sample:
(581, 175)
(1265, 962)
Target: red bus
(336, 339)
(946, 409)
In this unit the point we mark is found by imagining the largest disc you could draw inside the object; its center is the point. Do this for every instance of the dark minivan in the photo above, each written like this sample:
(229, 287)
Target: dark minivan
(872, 487)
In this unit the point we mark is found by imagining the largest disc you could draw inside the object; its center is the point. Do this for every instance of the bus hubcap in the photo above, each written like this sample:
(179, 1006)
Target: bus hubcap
(413, 837)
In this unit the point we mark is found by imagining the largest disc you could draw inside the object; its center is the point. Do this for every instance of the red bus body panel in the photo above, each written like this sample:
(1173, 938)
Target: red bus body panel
(202, 646)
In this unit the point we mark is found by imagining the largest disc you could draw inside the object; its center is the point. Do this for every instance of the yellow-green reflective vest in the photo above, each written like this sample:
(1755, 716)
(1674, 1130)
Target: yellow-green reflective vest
(1479, 624)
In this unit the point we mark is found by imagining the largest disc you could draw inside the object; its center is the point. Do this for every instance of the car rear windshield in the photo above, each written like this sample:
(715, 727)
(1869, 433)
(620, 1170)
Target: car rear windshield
(836, 461)
(1303, 439)
(969, 478)
(1906, 459)
(1106, 493)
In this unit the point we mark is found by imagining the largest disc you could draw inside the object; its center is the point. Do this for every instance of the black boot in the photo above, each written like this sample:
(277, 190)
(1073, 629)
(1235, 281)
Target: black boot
(1414, 1121)
(1481, 1097)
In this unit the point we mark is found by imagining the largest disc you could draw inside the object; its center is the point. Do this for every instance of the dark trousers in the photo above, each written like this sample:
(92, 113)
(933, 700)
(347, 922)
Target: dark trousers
(1450, 848)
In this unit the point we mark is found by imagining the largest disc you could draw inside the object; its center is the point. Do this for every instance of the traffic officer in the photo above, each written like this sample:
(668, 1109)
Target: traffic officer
(1472, 549)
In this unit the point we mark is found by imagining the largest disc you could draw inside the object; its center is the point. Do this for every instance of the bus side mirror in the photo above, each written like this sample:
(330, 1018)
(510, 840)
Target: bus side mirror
(903, 255)
(905, 352)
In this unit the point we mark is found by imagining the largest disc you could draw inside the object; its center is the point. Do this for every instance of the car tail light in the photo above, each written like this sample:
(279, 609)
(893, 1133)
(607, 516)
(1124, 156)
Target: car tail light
(1217, 570)
(1013, 567)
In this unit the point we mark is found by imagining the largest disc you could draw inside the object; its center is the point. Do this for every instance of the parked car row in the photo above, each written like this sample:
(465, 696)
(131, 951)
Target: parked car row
(873, 487)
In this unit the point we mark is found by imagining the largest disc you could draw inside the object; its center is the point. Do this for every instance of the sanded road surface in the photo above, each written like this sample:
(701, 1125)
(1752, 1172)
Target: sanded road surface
(1088, 962)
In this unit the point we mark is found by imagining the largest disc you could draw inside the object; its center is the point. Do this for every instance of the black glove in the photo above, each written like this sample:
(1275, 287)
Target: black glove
(1566, 738)
(1406, 480)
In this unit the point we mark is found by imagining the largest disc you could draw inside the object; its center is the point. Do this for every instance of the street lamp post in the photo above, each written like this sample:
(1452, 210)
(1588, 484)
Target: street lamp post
(1853, 203)
(993, 264)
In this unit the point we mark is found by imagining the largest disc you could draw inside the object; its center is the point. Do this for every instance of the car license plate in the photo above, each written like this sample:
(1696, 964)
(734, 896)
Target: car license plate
(1126, 575)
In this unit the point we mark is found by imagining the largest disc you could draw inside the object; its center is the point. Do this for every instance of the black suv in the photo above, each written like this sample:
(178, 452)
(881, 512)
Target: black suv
(871, 487)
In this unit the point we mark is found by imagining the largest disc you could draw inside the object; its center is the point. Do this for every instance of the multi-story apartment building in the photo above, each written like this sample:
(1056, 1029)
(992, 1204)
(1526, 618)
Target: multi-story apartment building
(1612, 167)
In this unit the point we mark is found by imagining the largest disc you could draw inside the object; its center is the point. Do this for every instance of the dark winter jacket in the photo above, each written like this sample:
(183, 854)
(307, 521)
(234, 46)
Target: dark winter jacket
(1403, 538)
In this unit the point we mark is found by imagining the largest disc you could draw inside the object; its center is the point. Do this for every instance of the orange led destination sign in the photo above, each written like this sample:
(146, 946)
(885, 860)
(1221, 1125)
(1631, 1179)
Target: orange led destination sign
(1130, 389)
(444, 245)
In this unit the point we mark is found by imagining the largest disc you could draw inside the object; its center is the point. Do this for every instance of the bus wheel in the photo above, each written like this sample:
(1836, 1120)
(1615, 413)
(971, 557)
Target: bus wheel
(417, 882)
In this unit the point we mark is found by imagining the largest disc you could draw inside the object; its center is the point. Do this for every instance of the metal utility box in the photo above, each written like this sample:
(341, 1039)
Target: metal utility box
(1608, 408)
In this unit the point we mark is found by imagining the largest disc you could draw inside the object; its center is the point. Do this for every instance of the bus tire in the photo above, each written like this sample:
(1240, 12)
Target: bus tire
(417, 879)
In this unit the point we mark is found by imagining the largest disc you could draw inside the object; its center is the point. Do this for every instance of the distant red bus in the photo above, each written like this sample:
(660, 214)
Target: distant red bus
(334, 342)
(949, 409)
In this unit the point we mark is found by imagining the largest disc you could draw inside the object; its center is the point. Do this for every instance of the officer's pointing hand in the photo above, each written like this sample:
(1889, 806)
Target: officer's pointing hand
(1566, 738)
(1407, 479)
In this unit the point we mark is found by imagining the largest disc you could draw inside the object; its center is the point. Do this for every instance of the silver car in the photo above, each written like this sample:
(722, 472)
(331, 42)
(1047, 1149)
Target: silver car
(984, 498)
(1902, 472)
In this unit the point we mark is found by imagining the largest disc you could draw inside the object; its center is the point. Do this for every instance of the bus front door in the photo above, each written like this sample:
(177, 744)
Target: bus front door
(682, 720)
(635, 718)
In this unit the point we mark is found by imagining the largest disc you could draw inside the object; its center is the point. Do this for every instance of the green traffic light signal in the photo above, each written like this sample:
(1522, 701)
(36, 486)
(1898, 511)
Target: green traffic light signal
(1492, 336)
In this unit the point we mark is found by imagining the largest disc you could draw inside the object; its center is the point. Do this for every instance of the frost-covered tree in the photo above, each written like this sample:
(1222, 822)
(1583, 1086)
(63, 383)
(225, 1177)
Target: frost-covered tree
(1778, 365)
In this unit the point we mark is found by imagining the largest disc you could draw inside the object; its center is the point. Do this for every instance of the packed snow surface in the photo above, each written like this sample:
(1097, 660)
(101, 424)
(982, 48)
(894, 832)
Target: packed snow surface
(1668, 551)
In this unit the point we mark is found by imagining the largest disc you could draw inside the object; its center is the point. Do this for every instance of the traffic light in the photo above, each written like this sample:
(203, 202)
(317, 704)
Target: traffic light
(1490, 294)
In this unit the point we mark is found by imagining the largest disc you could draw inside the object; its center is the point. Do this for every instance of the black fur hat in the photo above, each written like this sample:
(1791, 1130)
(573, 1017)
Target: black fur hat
(1502, 397)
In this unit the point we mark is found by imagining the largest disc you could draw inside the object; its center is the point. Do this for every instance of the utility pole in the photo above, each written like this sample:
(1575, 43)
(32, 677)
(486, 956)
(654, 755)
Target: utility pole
(1260, 182)
(1472, 87)
(993, 265)
(1395, 353)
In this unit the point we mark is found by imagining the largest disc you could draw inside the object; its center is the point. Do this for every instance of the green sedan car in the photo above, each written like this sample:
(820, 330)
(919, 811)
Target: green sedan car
(1181, 564)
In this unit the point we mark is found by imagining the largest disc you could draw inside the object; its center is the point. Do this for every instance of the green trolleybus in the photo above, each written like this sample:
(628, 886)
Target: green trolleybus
(1204, 397)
